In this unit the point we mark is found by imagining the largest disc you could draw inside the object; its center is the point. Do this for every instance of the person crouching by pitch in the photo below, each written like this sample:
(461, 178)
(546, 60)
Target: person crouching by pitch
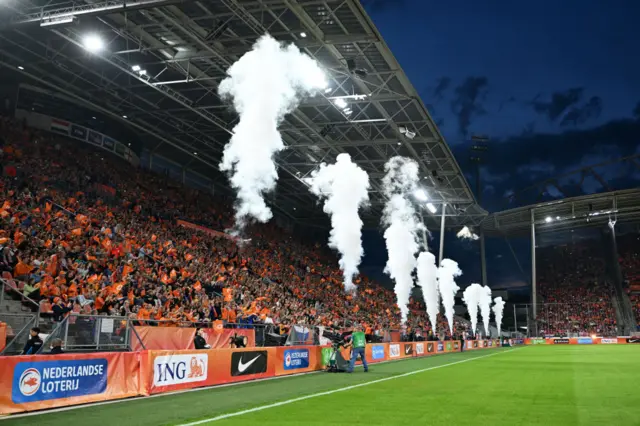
(358, 343)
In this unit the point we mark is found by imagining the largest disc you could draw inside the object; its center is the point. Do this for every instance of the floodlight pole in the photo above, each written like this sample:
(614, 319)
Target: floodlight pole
(483, 259)
(442, 223)
(534, 296)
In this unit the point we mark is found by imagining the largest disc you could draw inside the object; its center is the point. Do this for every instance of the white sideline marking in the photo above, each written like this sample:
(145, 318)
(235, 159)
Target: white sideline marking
(315, 395)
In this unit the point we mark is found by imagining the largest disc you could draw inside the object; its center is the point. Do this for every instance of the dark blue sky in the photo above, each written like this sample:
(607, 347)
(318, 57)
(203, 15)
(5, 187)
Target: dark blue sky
(554, 84)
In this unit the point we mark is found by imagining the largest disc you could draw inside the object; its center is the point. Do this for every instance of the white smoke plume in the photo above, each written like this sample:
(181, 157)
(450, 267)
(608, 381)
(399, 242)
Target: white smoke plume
(447, 274)
(467, 234)
(402, 225)
(471, 298)
(485, 308)
(498, 310)
(428, 280)
(265, 84)
(344, 186)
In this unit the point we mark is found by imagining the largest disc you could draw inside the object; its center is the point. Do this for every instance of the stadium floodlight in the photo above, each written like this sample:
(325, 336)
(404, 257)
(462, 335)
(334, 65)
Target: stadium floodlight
(135, 68)
(142, 72)
(93, 43)
(303, 34)
(124, 116)
(20, 67)
(548, 219)
(340, 103)
(431, 208)
(420, 194)
(328, 89)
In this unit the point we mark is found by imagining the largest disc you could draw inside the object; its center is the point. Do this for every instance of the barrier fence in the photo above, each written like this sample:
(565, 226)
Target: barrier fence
(32, 382)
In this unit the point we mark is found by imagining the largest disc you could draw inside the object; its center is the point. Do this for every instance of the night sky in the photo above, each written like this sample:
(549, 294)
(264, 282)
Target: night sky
(555, 85)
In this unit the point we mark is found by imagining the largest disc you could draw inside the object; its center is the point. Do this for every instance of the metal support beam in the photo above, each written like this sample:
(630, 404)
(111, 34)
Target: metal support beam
(41, 14)
(534, 296)
(443, 216)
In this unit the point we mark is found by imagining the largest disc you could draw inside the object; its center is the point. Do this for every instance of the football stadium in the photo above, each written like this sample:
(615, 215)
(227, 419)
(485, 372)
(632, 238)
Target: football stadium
(186, 191)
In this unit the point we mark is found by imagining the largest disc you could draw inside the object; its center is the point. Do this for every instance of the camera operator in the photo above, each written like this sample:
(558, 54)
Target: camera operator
(199, 342)
(358, 343)
(238, 341)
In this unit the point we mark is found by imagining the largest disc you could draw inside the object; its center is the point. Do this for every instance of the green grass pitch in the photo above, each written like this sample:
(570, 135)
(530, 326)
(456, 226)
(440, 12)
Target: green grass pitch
(538, 385)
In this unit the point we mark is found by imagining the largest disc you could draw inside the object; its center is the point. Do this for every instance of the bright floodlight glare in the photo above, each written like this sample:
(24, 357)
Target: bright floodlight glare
(548, 219)
(340, 103)
(431, 208)
(20, 67)
(143, 72)
(303, 34)
(124, 116)
(93, 43)
(327, 90)
(421, 194)
(136, 68)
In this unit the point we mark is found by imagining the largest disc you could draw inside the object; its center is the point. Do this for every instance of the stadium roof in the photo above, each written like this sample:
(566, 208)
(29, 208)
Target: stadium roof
(185, 48)
(566, 214)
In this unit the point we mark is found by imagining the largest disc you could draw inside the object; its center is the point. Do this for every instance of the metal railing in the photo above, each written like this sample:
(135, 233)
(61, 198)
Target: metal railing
(16, 344)
(7, 289)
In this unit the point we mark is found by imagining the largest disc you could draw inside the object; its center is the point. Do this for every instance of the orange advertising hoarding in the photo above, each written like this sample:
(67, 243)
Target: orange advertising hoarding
(39, 382)
(32, 382)
(166, 371)
(297, 359)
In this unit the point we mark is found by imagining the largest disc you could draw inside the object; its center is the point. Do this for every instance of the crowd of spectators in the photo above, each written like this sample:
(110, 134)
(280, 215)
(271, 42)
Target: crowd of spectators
(84, 231)
(629, 257)
(575, 293)
(418, 322)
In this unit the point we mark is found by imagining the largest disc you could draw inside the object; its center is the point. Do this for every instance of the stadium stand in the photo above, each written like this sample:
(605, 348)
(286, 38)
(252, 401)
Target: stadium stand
(87, 233)
(575, 291)
(629, 258)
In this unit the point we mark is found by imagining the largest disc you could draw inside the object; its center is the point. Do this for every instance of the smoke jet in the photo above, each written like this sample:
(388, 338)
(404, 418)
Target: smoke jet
(485, 308)
(447, 273)
(344, 186)
(265, 84)
(428, 280)
(467, 234)
(471, 298)
(402, 225)
(498, 310)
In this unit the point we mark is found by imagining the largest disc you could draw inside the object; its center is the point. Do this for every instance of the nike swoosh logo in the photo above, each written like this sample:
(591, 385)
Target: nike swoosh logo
(242, 367)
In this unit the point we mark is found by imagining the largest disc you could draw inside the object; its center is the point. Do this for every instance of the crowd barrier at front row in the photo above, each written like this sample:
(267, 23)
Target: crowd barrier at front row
(29, 383)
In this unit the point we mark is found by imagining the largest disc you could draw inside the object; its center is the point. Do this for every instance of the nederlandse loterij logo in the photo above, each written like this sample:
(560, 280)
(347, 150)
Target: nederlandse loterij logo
(47, 380)
(296, 358)
(30, 382)
(176, 369)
